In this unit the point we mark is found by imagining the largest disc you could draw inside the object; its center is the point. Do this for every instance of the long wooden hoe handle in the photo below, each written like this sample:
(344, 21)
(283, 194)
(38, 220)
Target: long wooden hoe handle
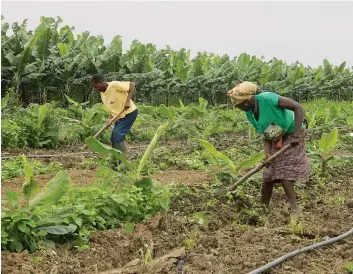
(114, 119)
(258, 168)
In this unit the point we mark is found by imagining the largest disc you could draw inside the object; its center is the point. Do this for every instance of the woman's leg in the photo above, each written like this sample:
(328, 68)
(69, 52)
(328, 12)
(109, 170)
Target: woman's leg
(288, 187)
(266, 193)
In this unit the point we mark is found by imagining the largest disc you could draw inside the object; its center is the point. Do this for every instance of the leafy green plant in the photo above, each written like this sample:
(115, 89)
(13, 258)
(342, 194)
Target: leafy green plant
(60, 213)
(12, 134)
(4, 101)
(23, 226)
(226, 164)
(349, 267)
(135, 173)
(14, 168)
(325, 152)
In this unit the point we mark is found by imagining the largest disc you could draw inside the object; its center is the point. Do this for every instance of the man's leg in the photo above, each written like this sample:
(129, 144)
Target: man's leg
(121, 128)
(288, 187)
(121, 146)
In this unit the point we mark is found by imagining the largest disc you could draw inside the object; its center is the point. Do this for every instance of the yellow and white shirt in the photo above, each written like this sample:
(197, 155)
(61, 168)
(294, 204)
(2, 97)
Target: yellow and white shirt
(114, 98)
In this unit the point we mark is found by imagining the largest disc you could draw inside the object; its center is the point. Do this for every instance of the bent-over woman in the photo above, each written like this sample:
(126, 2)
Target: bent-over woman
(281, 121)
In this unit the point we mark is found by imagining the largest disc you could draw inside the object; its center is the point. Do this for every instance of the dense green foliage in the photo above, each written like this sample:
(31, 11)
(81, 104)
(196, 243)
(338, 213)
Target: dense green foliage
(72, 125)
(62, 212)
(49, 62)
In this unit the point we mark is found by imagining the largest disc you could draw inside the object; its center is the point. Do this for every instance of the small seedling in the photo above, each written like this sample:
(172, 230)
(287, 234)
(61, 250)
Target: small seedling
(296, 226)
(349, 267)
(192, 239)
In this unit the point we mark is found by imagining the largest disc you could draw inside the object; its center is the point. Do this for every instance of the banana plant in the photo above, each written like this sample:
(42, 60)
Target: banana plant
(325, 154)
(134, 171)
(230, 170)
(4, 101)
(23, 225)
(52, 192)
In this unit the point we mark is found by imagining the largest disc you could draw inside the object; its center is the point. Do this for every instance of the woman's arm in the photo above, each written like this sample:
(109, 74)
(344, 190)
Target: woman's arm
(267, 148)
(298, 110)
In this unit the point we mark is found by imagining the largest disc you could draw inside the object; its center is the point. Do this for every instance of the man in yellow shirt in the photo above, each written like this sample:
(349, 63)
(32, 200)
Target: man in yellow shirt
(116, 96)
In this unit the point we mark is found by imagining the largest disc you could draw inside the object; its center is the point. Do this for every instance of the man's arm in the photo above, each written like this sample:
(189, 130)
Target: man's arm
(131, 93)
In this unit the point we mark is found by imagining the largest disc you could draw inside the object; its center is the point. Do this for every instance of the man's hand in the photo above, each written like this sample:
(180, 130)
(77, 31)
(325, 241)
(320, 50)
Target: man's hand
(108, 120)
(127, 105)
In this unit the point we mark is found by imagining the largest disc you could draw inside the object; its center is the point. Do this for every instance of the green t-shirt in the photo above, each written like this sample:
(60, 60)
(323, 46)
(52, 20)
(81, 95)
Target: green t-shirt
(271, 113)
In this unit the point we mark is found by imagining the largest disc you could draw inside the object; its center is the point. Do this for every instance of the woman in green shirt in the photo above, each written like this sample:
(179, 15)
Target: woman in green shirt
(280, 120)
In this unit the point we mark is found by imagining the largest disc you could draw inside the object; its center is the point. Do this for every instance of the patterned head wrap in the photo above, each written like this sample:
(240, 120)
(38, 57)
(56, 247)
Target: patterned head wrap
(242, 92)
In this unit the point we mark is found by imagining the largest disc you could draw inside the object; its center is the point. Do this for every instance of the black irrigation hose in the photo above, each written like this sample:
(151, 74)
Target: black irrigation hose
(297, 252)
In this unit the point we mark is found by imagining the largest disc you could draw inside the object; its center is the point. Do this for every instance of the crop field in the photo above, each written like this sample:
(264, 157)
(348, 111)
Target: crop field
(67, 209)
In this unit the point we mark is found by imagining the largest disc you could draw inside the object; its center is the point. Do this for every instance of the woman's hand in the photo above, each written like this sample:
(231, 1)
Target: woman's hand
(295, 139)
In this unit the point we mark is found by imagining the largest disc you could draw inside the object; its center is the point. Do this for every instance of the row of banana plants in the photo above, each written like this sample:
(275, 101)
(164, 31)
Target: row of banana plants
(51, 62)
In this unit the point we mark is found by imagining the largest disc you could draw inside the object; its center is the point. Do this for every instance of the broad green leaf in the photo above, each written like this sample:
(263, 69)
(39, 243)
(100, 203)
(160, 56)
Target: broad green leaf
(228, 163)
(311, 120)
(203, 104)
(12, 196)
(334, 111)
(72, 101)
(327, 67)
(41, 114)
(89, 115)
(50, 133)
(164, 202)
(30, 188)
(63, 49)
(253, 160)
(327, 142)
(200, 218)
(23, 228)
(341, 68)
(4, 101)
(105, 172)
(16, 245)
(107, 210)
(98, 147)
(159, 133)
(129, 227)
(144, 183)
(67, 32)
(42, 233)
(59, 229)
(165, 112)
(53, 190)
(42, 35)
(27, 168)
(210, 148)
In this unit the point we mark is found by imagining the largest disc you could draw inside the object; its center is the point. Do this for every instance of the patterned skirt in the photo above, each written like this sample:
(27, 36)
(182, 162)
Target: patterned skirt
(292, 165)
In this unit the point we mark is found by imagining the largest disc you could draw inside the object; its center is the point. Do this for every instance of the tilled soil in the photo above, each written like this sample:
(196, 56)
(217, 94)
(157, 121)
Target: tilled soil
(223, 246)
(78, 177)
